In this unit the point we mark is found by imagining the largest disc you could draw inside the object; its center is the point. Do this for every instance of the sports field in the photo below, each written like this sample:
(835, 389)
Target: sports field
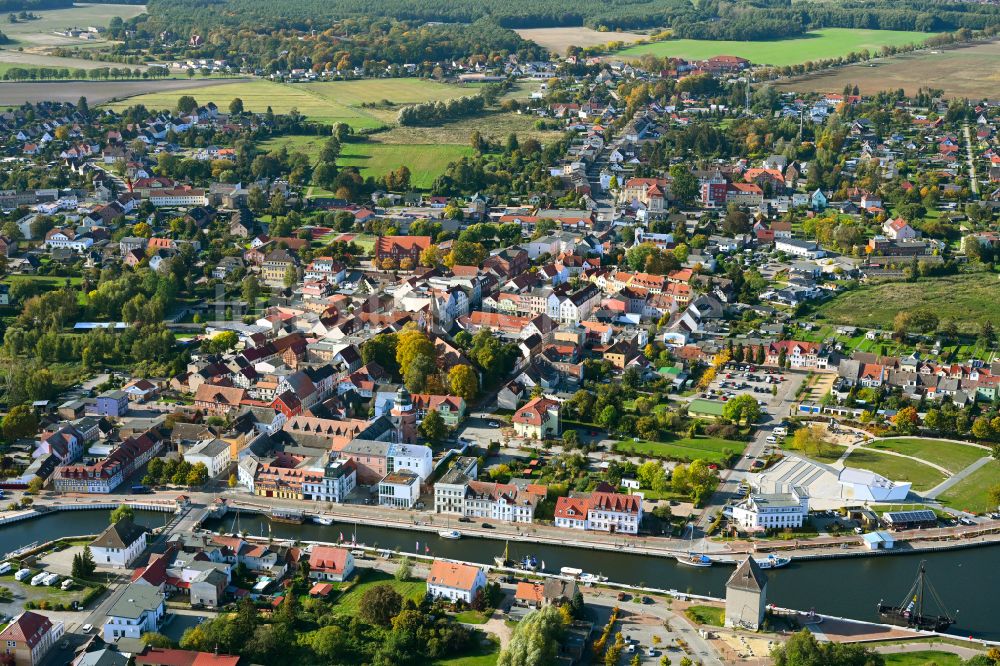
(373, 158)
(815, 45)
(971, 71)
(328, 102)
(952, 456)
(967, 299)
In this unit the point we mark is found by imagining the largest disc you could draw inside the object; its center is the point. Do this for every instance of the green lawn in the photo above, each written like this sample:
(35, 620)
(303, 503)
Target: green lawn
(348, 603)
(471, 617)
(327, 102)
(923, 658)
(709, 449)
(425, 162)
(710, 615)
(700, 406)
(374, 158)
(815, 45)
(953, 457)
(486, 655)
(894, 468)
(971, 493)
(968, 299)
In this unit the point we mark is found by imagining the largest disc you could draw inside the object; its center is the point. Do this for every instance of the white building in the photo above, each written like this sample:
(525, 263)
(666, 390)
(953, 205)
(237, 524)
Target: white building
(415, 458)
(602, 512)
(454, 581)
(214, 453)
(140, 610)
(119, 544)
(771, 511)
(799, 248)
(338, 479)
(862, 485)
(399, 489)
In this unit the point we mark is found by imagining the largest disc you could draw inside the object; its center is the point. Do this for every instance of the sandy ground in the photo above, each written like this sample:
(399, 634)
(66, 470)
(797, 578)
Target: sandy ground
(97, 92)
(559, 39)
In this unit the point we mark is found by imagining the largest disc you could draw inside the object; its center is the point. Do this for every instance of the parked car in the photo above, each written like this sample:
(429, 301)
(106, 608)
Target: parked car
(87, 628)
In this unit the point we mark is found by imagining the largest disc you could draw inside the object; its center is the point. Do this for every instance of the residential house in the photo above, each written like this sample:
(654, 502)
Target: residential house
(119, 544)
(454, 581)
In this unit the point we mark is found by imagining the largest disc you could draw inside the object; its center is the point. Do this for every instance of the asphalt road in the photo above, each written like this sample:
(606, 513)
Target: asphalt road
(778, 407)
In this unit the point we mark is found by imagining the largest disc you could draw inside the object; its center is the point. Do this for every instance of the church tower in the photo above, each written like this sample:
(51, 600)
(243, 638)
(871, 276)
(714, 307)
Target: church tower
(404, 417)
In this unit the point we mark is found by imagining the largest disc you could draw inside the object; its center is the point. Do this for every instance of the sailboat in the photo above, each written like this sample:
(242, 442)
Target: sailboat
(693, 559)
(504, 560)
(912, 611)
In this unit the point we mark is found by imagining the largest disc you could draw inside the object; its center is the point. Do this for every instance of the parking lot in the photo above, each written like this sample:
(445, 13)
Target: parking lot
(737, 378)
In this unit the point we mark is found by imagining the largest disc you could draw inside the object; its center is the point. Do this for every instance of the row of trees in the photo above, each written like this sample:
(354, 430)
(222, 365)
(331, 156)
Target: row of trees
(436, 113)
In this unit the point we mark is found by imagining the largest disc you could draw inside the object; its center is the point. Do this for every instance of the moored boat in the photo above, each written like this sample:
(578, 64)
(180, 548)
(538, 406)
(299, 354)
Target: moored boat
(913, 611)
(322, 520)
(450, 534)
(772, 561)
(287, 516)
(695, 560)
(572, 572)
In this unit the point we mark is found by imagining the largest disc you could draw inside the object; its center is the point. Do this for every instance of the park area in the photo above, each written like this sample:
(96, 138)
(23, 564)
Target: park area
(953, 456)
(710, 449)
(973, 492)
(923, 477)
(814, 45)
(350, 599)
(968, 71)
(950, 297)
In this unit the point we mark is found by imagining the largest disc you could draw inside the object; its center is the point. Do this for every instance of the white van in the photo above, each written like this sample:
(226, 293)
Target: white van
(22, 574)
(780, 431)
(771, 439)
(5, 568)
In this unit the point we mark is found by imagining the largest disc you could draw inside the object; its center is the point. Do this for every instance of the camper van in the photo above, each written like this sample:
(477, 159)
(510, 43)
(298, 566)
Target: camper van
(22, 574)
(51, 580)
(66, 584)
(5, 568)
(39, 578)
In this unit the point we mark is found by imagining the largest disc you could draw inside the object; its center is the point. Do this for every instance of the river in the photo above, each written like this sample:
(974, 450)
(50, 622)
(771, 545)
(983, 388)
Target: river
(965, 579)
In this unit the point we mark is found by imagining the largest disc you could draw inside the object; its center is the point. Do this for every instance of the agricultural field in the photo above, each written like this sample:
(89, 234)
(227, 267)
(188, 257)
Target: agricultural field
(815, 45)
(558, 40)
(968, 71)
(950, 297)
(41, 31)
(971, 493)
(374, 158)
(952, 456)
(97, 92)
(709, 449)
(328, 102)
(894, 468)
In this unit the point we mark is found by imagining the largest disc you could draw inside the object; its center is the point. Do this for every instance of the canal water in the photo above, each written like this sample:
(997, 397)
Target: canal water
(966, 580)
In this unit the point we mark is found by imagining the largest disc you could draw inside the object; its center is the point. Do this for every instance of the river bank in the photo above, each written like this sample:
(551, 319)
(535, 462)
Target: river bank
(848, 588)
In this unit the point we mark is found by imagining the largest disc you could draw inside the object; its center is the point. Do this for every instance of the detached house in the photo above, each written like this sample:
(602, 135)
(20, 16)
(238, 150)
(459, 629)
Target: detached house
(28, 638)
(454, 581)
(537, 419)
(119, 544)
(330, 563)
